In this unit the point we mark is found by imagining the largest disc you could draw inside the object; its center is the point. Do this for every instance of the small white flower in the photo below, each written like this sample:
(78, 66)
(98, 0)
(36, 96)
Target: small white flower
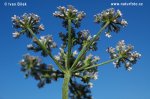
(110, 50)
(61, 50)
(16, 34)
(94, 35)
(108, 35)
(129, 68)
(22, 60)
(136, 54)
(115, 65)
(139, 55)
(42, 39)
(89, 56)
(77, 73)
(75, 53)
(119, 13)
(115, 21)
(53, 74)
(89, 38)
(95, 76)
(128, 64)
(124, 22)
(57, 57)
(90, 85)
(75, 11)
(14, 17)
(54, 45)
(131, 59)
(114, 55)
(79, 63)
(96, 57)
(41, 27)
(29, 46)
(106, 13)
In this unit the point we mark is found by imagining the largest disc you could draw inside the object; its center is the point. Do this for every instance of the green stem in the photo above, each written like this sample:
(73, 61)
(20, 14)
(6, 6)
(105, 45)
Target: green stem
(103, 63)
(65, 87)
(69, 44)
(85, 48)
(45, 49)
(81, 68)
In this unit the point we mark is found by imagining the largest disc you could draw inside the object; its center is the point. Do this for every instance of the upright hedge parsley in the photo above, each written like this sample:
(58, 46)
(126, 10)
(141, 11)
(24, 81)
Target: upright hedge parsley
(72, 65)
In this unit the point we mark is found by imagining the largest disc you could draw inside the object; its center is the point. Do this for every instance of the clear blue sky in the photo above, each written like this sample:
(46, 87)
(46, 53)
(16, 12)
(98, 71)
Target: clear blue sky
(112, 83)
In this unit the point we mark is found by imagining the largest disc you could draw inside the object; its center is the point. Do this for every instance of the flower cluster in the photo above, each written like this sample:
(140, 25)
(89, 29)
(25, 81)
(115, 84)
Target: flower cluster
(69, 13)
(21, 24)
(33, 66)
(128, 57)
(46, 41)
(114, 19)
(83, 38)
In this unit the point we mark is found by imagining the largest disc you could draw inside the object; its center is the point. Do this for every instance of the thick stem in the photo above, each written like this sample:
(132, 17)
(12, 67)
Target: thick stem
(69, 44)
(85, 48)
(65, 87)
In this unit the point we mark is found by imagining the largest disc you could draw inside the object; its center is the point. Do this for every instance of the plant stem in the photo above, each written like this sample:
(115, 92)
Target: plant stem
(69, 44)
(45, 49)
(81, 68)
(103, 63)
(65, 87)
(85, 48)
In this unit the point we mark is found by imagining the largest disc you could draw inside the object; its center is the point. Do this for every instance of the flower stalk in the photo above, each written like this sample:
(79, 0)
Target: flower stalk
(103, 63)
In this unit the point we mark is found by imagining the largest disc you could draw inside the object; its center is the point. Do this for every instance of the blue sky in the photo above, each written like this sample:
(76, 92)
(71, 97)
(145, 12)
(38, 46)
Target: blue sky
(112, 83)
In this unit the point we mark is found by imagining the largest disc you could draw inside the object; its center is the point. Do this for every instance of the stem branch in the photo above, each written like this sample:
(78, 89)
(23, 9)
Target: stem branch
(103, 63)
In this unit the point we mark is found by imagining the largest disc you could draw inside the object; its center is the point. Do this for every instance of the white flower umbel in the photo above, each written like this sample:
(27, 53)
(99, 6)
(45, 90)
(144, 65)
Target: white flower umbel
(27, 23)
(128, 57)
